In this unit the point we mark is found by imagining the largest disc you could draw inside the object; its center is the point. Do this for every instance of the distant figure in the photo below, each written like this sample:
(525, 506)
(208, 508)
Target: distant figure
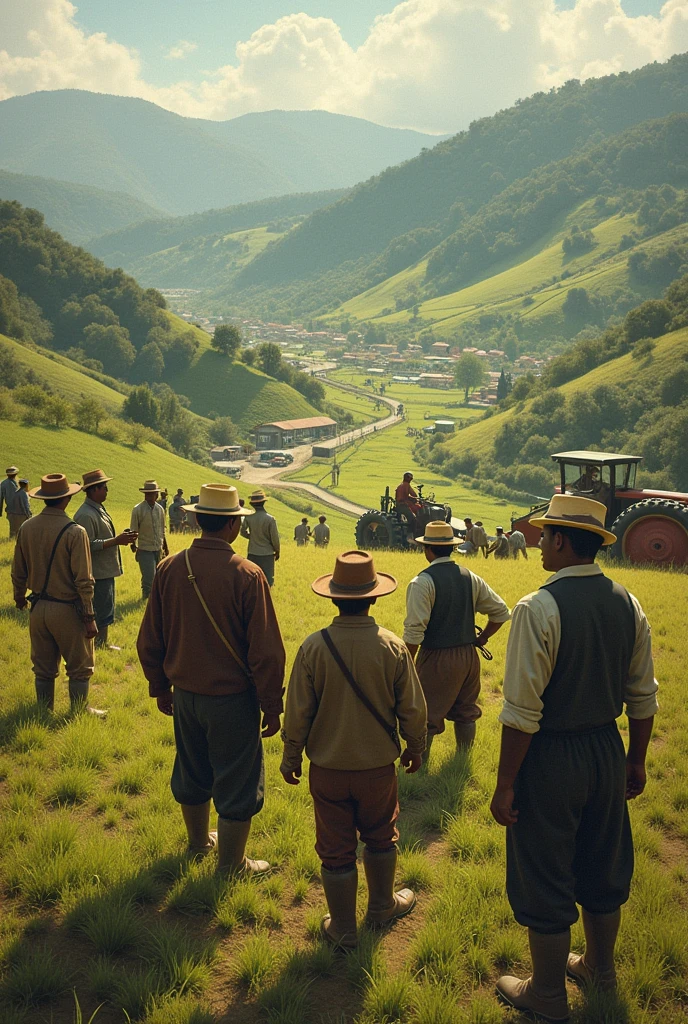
(321, 533)
(517, 542)
(469, 545)
(191, 523)
(480, 537)
(302, 533)
(500, 545)
(8, 488)
(406, 495)
(176, 513)
(18, 509)
(162, 500)
(263, 536)
(148, 521)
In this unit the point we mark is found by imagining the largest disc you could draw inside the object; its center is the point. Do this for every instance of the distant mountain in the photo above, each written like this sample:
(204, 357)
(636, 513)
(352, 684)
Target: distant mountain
(78, 212)
(185, 165)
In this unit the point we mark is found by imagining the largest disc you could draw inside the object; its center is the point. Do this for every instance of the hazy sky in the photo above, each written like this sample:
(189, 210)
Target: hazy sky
(428, 64)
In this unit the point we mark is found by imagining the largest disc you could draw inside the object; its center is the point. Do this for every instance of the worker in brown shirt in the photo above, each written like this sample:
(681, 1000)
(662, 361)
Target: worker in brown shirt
(352, 746)
(211, 650)
(62, 623)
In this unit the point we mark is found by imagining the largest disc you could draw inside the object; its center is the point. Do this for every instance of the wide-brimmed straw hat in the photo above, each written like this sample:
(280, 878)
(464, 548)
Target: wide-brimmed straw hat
(354, 577)
(258, 497)
(578, 513)
(54, 485)
(219, 500)
(150, 485)
(11, 471)
(438, 532)
(93, 478)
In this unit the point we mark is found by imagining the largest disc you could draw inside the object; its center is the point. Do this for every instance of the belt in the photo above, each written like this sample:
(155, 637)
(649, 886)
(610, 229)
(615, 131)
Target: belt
(588, 731)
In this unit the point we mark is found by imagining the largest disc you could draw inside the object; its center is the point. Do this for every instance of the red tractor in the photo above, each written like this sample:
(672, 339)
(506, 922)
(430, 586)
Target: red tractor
(651, 526)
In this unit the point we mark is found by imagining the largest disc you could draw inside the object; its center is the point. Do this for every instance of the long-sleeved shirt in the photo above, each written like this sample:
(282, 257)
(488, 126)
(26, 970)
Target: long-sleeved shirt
(177, 645)
(420, 598)
(7, 490)
(532, 650)
(517, 541)
(96, 521)
(325, 716)
(500, 546)
(302, 533)
(321, 535)
(176, 512)
(262, 533)
(71, 578)
(149, 522)
(18, 504)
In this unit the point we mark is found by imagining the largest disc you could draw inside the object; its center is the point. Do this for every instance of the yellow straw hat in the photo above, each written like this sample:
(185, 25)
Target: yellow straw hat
(578, 513)
(438, 532)
(219, 500)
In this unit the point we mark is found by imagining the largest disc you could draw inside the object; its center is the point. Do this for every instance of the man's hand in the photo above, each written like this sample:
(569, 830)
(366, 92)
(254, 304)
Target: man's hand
(165, 547)
(128, 537)
(411, 762)
(165, 702)
(502, 806)
(21, 604)
(271, 725)
(91, 630)
(635, 780)
(291, 777)
(277, 557)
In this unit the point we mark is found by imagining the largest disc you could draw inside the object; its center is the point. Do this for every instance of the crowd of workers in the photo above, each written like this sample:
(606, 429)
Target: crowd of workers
(210, 646)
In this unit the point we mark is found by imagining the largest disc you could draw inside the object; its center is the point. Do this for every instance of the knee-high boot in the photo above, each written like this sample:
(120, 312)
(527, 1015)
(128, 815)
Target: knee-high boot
(384, 904)
(78, 696)
(339, 926)
(596, 965)
(544, 993)
(232, 837)
(45, 693)
(197, 819)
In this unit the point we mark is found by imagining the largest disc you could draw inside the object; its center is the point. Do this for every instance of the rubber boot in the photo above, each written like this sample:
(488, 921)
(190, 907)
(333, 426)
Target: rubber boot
(384, 904)
(101, 640)
(339, 926)
(232, 837)
(78, 696)
(465, 734)
(542, 995)
(197, 818)
(45, 693)
(596, 965)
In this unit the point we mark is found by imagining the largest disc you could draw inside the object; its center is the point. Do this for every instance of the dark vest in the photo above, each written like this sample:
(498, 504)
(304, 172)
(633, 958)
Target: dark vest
(452, 620)
(587, 686)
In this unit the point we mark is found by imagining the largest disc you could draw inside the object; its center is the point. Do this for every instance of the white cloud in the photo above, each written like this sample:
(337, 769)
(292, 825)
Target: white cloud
(181, 50)
(431, 64)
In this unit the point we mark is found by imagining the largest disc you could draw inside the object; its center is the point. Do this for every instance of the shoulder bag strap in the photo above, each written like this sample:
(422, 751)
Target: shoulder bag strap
(389, 729)
(213, 623)
(52, 558)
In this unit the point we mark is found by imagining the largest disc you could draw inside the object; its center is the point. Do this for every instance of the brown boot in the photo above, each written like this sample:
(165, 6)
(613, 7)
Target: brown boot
(45, 693)
(197, 819)
(596, 965)
(542, 995)
(384, 904)
(339, 926)
(78, 696)
(232, 837)
(465, 734)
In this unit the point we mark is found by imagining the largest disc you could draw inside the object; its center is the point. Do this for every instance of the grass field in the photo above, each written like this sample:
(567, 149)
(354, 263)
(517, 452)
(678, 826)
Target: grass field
(422, 406)
(361, 408)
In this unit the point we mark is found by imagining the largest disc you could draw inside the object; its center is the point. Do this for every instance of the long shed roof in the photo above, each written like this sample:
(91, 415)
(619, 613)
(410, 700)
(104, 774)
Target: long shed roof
(313, 421)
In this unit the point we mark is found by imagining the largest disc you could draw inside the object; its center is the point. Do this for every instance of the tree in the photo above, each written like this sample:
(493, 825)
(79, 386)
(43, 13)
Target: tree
(227, 339)
(469, 372)
(57, 411)
(142, 406)
(248, 356)
(223, 430)
(148, 365)
(648, 320)
(87, 415)
(112, 346)
(270, 358)
(502, 388)
(179, 352)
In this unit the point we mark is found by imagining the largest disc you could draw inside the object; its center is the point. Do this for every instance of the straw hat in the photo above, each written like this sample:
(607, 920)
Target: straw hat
(438, 532)
(579, 513)
(150, 485)
(94, 477)
(219, 500)
(258, 497)
(54, 485)
(354, 577)
(11, 470)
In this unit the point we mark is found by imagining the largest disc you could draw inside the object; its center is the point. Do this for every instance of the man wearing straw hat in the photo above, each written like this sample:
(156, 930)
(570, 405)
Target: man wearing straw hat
(441, 605)
(105, 544)
(579, 650)
(351, 685)
(211, 650)
(148, 522)
(52, 557)
(8, 489)
(263, 536)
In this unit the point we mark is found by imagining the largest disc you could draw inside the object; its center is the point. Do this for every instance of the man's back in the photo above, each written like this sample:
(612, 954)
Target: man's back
(70, 574)
(262, 533)
(321, 534)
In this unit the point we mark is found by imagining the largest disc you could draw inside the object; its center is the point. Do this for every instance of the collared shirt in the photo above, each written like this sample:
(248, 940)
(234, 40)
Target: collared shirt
(321, 534)
(302, 533)
(176, 512)
(420, 597)
(532, 650)
(500, 546)
(96, 521)
(7, 490)
(325, 715)
(71, 578)
(149, 522)
(262, 533)
(517, 541)
(177, 644)
(18, 504)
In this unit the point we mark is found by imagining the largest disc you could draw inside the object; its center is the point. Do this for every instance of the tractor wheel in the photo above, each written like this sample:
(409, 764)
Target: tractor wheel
(380, 530)
(655, 530)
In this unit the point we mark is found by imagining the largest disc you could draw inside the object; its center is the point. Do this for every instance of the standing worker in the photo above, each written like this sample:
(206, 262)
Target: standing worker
(176, 513)
(500, 545)
(8, 488)
(18, 508)
(441, 604)
(263, 536)
(517, 542)
(302, 533)
(105, 543)
(211, 650)
(321, 533)
(579, 650)
(52, 557)
(350, 685)
(148, 522)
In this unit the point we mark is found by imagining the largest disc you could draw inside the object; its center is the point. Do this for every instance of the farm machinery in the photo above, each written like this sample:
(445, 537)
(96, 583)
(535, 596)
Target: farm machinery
(396, 526)
(650, 526)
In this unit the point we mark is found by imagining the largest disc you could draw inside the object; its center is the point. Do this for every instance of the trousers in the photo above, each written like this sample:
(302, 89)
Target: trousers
(450, 678)
(104, 602)
(266, 563)
(56, 632)
(148, 563)
(16, 519)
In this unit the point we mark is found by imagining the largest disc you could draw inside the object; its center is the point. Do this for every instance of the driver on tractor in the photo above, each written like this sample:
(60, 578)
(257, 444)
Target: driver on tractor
(406, 495)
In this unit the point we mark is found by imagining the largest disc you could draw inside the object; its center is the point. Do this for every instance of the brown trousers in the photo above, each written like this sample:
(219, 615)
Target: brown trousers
(56, 632)
(450, 678)
(16, 519)
(347, 803)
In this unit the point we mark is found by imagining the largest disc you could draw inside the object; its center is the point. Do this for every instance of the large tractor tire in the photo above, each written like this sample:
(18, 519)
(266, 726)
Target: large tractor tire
(380, 530)
(652, 531)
